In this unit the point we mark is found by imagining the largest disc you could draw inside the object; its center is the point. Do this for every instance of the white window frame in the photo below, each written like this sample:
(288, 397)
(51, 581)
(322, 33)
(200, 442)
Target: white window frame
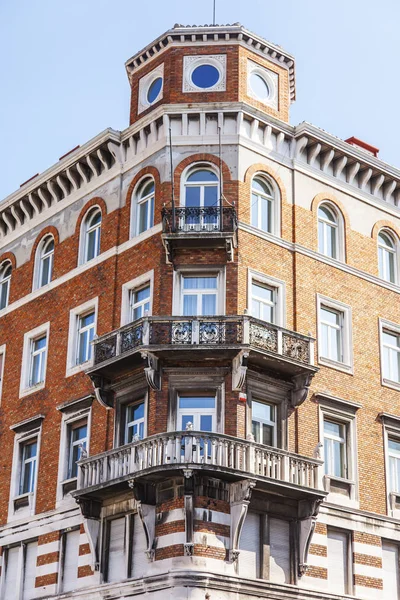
(19, 591)
(30, 337)
(83, 238)
(23, 435)
(342, 412)
(143, 420)
(5, 280)
(132, 286)
(393, 328)
(134, 216)
(68, 420)
(275, 204)
(340, 245)
(394, 252)
(74, 316)
(2, 369)
(197, 412)
(133, 394)
(346, 364)
(198, 271)
(280, 294)
(391, 429)
(39, 259)
(273, 424)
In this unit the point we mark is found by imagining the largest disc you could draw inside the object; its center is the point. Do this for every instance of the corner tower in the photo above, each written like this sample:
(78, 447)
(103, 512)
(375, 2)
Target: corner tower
(211, 64)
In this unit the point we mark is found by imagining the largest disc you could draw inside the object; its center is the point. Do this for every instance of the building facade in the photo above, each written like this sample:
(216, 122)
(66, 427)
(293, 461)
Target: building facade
(200, 347)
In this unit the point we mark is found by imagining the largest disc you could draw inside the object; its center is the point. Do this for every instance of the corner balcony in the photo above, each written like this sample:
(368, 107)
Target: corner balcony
(208, 227)
(216, 455)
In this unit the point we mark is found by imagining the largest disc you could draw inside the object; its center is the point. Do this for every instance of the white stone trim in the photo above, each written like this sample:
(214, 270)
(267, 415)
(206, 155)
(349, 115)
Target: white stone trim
(47, 569)
(271, 79)
(200, 270)
(367, 549)
(191, 62)
(170, 539)
(131, 285)
(368, 593)
(216, 516)
(74, 314)
(367, 570)
(319, 539)
(24, 387)
(144, 85)
(48, 548)
(395, 328)
(347, 336)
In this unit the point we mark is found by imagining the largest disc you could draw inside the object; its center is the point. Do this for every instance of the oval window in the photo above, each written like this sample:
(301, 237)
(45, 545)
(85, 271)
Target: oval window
(205, 76)
(259, 86)
(154, 90)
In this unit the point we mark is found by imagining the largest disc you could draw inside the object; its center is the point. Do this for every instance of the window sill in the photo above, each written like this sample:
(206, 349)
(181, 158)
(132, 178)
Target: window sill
(32, 389)
(78, 368)
(69, 485)
(22, 503)
(340, 491)
(394, 385)
(338, 366)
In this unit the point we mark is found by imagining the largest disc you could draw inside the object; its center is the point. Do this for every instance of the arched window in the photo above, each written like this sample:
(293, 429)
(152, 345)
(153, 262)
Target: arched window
(387, 256)
(262, 205)
(201, 196)
(145, 205)
(44, 262)
(91, 232)
(5, 279)
(328, 231)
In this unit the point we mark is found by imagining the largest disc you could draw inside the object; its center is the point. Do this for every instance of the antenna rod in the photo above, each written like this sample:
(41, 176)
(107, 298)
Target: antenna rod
(214, 12)
(172, 179)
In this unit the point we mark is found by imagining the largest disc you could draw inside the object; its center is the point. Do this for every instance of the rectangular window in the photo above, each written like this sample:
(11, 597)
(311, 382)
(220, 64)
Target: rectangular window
(339, 576)
(139, 302)
(38, 360)
(116, 550)
(86, 328)
(134, 422)
(391, 355)
(263, 302)
(394, 464)
(11, 579)
(334, 334)
(28, 467)
(263, 422)
(20, 571)
(196, 412)
(335, 448)
(29, 576)
(199, 295)
(77, 440)
(70, 558)
(250, 547)
(390, 570)
(331, 334)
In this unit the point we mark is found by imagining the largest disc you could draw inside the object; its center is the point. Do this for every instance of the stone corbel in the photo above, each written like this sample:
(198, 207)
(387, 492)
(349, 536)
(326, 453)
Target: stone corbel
(299, 391)
(239, 370)
(229, 249)
(91, 511)
(239, 497)
(308, 511)
(147, 515)
(152, 371)
(103, 396)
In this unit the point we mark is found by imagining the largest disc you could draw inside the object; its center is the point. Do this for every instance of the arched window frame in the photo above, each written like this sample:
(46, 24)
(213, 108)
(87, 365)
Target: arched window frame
(274, 200)
(87, 230)
(42, 255)
(390, 251)
(139, 202)
(5, 282)
(338, 228)
(201, 221)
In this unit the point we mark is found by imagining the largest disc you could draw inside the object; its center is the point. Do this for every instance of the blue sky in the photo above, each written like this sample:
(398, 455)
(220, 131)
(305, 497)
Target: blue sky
(63, 77)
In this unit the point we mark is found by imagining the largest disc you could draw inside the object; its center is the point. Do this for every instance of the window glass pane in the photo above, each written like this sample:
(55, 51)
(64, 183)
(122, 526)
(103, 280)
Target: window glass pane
(91, 244)
(87, 320)
(330, 316)
(333, 428)
(261, 186)
(30, 450)
(147, 189)
(203, 175)
(268, 435)
(142, 294)
(265, 215)
(262, 291)
(192, 196)
(197, 402)
(391, 339)
(45, 271)
(205, 423)
(190, 305)
(325, 213)
(192, 283)
(185, 420)
(209, 304)
(143, 208)
(254, 210)
(261, 410)
(331, 239)
(394, 446)
(211, 195)
(79, 432)
(136, 411)
(37, 369)
(321, 241)
(4, 294)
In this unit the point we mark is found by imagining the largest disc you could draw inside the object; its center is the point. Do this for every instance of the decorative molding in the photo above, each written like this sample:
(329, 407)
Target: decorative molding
(91, 512)
(189, 520)
(153, 370)
(301, 385)
(190, 63)
(147, 515)
(144, 85)
(239, 370)
(308, 512)
(103, 396)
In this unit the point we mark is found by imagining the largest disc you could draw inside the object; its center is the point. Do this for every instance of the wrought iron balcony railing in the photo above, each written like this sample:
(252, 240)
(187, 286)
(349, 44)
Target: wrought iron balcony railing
(208, 450)
(195, 219)
(239, 332)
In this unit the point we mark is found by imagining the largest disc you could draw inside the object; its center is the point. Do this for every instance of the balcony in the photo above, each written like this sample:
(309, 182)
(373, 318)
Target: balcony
(165, 455)
(199, 227)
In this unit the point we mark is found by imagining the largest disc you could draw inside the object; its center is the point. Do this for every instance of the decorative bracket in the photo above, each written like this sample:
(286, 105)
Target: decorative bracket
(147, 515)
(189, 517)
(91, 511)
(152, 371)
(239, 370)
(301, 385)
(229, 249)
(308, 511)
(103, 396)
(239, 497)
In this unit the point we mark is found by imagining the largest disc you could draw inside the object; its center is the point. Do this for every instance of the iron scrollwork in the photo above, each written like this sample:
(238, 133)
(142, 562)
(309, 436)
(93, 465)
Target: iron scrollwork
(296, 348)
(264, 337)
(105, 349)
(131, 338)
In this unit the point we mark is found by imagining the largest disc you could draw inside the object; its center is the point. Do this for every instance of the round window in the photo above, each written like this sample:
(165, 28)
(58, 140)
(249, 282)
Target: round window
(154, 90)
(259, 86)
(205, 76)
